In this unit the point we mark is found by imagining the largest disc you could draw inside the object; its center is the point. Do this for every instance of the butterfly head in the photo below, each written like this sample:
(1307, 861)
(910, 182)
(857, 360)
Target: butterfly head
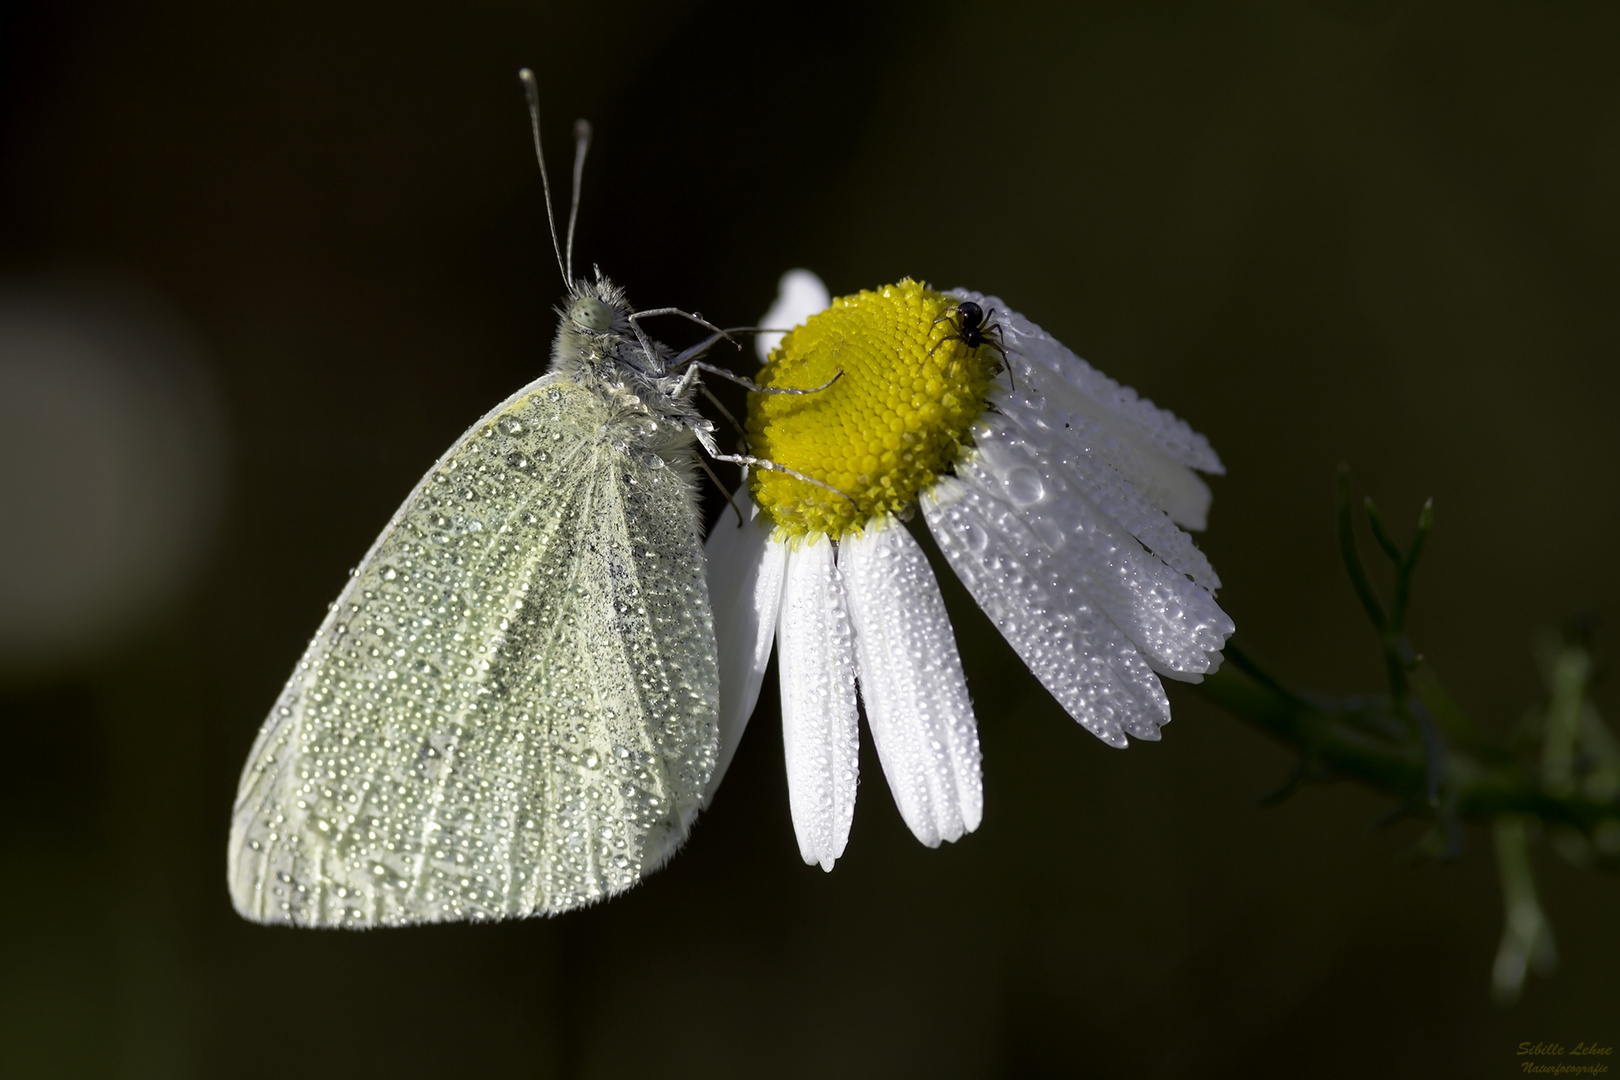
(597, 307)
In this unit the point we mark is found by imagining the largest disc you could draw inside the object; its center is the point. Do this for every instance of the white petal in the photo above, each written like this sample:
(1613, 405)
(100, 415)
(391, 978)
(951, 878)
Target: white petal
(745, 586)
(1172, 619)
(800, 295)
(911, 681)
(820, 732)
(1082, 448)
(1078, 653)
(1150, 446)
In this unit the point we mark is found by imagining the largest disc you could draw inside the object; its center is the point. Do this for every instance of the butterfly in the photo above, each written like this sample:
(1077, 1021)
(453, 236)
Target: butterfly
(511, 708)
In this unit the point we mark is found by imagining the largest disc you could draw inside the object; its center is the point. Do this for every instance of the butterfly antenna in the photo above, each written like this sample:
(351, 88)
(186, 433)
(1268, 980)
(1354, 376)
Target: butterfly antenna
(532, 91)
(582, 145)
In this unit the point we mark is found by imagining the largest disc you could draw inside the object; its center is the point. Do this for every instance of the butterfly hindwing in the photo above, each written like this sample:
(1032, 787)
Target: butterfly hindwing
(511, 708)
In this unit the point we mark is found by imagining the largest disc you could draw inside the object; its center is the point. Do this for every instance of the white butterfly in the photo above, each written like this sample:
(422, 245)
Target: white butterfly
(511, 708)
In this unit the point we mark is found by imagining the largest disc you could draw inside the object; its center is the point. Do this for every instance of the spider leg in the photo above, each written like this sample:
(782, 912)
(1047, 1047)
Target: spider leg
(1000, 346)
(943, 340)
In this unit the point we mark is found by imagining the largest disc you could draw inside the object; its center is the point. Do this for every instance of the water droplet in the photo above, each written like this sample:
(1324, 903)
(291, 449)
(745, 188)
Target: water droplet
(1049, 531)
(976, 539)
(1023, 485)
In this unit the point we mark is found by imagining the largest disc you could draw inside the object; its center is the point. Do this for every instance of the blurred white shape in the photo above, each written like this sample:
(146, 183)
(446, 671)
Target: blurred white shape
(800, 295)
(111, 441)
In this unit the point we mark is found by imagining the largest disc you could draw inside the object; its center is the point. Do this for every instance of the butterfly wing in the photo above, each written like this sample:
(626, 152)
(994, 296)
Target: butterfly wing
(511, 708)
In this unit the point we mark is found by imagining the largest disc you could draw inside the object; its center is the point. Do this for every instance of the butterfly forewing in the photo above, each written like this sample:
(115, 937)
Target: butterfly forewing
(511, 708)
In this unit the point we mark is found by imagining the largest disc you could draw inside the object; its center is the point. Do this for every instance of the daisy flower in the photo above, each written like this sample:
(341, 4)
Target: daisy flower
(1058, 496)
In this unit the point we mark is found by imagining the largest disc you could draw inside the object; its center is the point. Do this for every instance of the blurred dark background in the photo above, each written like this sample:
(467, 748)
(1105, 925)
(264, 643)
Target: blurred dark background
(261, 263)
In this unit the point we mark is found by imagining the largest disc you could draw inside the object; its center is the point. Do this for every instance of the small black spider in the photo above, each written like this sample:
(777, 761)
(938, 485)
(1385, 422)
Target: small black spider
(973, 328)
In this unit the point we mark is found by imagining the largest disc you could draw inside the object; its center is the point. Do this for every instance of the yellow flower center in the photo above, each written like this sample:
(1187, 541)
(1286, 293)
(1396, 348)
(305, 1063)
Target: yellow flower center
(892, 423)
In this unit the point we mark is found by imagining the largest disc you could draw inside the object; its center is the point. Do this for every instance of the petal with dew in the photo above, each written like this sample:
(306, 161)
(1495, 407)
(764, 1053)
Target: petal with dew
(745, 588)
(1077, 652)
(912, 683)
(1150, 446)
(1082, 448)
(1171, 618)
(820, 729)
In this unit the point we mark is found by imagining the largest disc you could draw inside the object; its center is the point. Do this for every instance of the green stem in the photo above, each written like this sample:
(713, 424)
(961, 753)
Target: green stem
(1571, 670)
(1527, 940)
(1355, 740)
(1352, 557)
(1408, 563)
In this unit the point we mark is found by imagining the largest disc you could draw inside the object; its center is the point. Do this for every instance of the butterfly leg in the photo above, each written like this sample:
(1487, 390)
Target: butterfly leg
(704, 465)
(688, 355)
(725, 412)
(705, 438)
(761, 463)
(692, 316)
(698, 365)
(646, 342)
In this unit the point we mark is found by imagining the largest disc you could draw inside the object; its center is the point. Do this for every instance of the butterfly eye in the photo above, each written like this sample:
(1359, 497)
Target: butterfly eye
(590, 313)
